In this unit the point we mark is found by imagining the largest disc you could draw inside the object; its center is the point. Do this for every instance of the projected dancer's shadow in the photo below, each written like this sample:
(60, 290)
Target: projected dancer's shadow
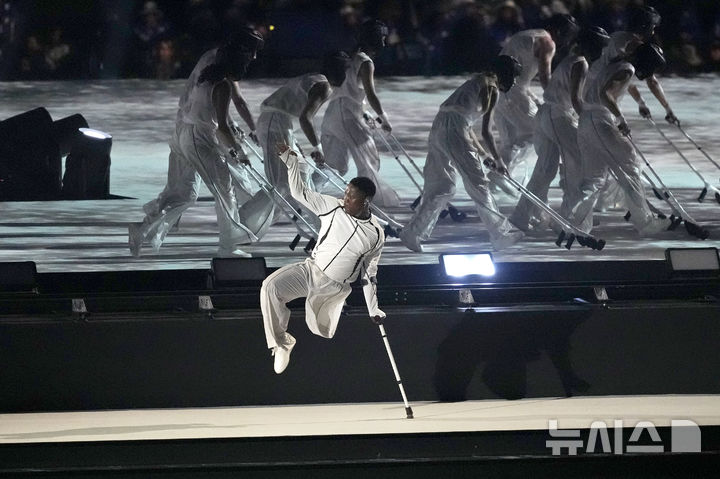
(505, 347)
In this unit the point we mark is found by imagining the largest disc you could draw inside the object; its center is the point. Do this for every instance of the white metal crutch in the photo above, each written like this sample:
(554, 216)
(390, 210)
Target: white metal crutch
(575, 233)
(282, 202)
(666, 195)
(452, 210)
(707, 184)
(322, 172)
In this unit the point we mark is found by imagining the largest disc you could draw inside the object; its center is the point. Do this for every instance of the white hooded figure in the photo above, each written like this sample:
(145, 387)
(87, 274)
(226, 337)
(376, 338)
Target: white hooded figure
(606, 149)
(642, 21)
(345, 132)
(555, 136)
(453, 147)
(299, 99)
(200, 148)
(516, 109)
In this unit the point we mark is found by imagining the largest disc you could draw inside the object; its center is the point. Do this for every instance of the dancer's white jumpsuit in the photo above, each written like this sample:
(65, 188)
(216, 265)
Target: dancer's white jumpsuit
(603, 147)
(345, 133)
(555, 137)
(611, 194)
(196, 154)
(346, 247)
(449, 151)
(516, 109)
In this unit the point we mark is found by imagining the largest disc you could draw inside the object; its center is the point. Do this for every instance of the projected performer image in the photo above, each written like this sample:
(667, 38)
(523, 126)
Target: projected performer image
(344, 131)
(641, 24)
(607, 148)
(454, 147)
(200, 147)
(555, 136)
(516, 109)
(299, 98)
(349, 245)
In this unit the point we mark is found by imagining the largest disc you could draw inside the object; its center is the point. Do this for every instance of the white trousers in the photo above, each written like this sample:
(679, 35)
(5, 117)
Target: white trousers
(515, 121)
(448, 154)
(603, 148)
(555, 138)
(345, 134)
(274, 128)
(195, 155)
(325, 299)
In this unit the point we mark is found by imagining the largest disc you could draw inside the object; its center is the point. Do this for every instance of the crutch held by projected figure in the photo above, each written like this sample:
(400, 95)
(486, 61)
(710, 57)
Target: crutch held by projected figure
(451, 144)
(330, 175)
(663, 192)
(388, 139)
(701, 150)
(707, 185)
(569, 232)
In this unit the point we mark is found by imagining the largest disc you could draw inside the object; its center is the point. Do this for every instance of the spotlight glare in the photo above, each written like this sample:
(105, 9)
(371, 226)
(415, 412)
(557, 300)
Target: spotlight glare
(459, 265)
(95, 133)
(693, 260)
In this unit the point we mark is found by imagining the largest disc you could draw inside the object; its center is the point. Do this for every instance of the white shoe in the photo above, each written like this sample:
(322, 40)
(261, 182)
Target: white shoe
(410, 241)
(282, 354)
(232, 253)
(507, 240)
(135, 239)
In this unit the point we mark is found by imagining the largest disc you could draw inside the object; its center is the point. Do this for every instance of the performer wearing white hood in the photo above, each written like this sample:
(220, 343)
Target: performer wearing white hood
(300, 97)
(642, 21)
(556, 130)
(199, 146)
(515, 112)
(604, 144)
(349, 244)
(344, 131)
(451, 144)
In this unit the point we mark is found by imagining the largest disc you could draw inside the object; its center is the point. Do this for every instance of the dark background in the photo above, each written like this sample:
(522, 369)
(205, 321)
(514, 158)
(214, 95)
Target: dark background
(84, 39)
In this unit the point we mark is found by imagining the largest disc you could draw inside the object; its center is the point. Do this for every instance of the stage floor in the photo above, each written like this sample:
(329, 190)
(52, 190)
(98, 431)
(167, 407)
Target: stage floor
(356, 419)
(92, 235)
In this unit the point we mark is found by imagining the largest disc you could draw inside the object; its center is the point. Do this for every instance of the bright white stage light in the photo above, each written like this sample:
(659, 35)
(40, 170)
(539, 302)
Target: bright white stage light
(459, 265)
(693, 260)
(100, 135)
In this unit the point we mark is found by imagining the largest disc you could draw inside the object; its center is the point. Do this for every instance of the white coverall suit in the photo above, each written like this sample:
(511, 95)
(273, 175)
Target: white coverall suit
(345, 133)
(611, 194)
(450, 149)
(555, 137)
(603, 147)
(516, 109)
(347, 247)
(195, 154)
(275, 124)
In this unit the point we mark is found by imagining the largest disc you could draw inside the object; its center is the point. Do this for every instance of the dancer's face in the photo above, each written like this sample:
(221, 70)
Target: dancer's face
(355, 202)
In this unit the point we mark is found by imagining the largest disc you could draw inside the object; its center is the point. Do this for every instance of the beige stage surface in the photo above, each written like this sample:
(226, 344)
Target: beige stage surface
(356, 419)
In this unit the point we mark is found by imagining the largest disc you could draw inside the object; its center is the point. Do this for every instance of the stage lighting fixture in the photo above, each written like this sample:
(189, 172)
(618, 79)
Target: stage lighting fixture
(459, 265)
(18, 276)
(30, 160)
(65, 132)
(87, 167)
(233, 272)
(693, 261)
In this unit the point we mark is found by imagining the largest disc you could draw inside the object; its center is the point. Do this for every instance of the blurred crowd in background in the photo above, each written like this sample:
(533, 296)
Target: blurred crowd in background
(85, 39)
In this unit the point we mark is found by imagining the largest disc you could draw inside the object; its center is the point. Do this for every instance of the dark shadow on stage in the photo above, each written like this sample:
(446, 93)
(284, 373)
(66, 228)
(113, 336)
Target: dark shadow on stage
(500, 350)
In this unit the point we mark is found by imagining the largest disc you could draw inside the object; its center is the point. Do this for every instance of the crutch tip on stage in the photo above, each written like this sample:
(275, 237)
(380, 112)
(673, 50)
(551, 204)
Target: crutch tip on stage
(409, 412)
